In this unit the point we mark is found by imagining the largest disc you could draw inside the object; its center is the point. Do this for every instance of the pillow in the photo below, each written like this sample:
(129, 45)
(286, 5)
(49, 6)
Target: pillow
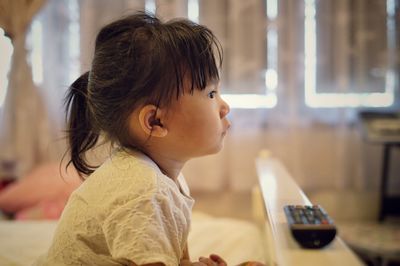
(44, 210)
(42, 184)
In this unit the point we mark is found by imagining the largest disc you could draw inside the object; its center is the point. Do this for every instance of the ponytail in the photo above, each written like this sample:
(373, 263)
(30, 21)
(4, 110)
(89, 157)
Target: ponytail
(81, 133)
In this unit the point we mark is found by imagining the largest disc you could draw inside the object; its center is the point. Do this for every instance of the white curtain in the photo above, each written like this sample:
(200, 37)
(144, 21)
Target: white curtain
(24, 125)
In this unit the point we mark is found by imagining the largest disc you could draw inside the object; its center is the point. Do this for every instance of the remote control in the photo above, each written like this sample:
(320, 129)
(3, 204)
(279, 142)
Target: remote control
(310, 225)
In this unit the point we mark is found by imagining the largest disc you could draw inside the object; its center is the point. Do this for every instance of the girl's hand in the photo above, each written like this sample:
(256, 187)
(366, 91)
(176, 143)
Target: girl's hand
(213, 260)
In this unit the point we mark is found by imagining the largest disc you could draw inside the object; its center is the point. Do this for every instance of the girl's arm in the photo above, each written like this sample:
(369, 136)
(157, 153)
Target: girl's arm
(185, 260)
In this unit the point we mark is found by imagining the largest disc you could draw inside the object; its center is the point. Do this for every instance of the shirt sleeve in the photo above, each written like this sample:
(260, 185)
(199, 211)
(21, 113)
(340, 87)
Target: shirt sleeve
(146, 230)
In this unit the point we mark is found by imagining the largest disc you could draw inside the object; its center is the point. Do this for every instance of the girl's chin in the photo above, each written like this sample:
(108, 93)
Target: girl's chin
(217, 148)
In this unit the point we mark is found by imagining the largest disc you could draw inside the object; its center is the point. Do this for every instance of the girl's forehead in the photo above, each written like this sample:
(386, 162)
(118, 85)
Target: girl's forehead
(190, 85)
(212, 85)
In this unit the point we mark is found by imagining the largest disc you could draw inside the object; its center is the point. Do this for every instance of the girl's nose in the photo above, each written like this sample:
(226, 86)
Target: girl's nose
(225, 109)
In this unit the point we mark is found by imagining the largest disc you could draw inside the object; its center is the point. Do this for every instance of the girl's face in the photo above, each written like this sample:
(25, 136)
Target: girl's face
(197, 122)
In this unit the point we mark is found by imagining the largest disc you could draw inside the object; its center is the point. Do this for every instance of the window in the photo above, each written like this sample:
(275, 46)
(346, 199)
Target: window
(253, 66)
(348, 49)
(247, 30)
(349, 53)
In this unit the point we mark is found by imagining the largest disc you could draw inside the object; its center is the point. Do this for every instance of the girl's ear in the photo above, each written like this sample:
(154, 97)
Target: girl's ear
(150, 119)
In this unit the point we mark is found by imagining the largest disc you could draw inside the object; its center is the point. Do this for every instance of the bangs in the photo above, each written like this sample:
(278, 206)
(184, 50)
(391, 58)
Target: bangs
(191, 57)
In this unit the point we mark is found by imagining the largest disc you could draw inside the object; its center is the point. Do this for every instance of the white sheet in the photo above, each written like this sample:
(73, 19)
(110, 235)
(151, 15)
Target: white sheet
(234, 240)
(21, 242)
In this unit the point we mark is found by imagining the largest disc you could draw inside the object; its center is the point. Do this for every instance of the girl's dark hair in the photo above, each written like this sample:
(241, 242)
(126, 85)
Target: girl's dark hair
(137, 60)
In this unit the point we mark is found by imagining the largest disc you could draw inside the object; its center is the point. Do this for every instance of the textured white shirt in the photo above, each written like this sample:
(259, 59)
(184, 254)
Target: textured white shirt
(126, 211)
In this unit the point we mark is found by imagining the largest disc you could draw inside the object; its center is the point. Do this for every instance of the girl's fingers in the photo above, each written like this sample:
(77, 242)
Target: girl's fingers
(218, 260)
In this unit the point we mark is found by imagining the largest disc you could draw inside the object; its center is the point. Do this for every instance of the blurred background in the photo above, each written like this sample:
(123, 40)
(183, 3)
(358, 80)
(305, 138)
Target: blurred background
(312, 83)
(297, 75)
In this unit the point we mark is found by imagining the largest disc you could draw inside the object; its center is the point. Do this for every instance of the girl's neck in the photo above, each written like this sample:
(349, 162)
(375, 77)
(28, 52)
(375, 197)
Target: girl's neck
(169, 166)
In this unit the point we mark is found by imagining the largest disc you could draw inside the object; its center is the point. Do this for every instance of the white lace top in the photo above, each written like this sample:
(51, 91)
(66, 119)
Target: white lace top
(126, 211)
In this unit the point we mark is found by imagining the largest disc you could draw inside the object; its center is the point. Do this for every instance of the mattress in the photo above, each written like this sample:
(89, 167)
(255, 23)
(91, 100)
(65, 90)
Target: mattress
(21, 242)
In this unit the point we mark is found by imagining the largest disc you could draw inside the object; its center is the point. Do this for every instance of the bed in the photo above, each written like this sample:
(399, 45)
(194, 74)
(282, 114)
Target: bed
(38, 199)
(236, 240)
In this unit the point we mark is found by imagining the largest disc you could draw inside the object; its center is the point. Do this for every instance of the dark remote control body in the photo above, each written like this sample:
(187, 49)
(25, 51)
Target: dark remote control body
(310, 225)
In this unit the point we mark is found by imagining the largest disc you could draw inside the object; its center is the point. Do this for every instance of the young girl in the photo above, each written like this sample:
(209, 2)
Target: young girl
(153, 92)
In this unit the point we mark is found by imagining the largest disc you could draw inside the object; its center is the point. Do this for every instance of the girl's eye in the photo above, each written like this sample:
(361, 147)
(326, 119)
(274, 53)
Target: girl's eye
(212, 94)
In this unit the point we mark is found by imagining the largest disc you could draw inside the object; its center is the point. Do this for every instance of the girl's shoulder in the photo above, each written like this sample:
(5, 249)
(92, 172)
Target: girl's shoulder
(124, 175)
